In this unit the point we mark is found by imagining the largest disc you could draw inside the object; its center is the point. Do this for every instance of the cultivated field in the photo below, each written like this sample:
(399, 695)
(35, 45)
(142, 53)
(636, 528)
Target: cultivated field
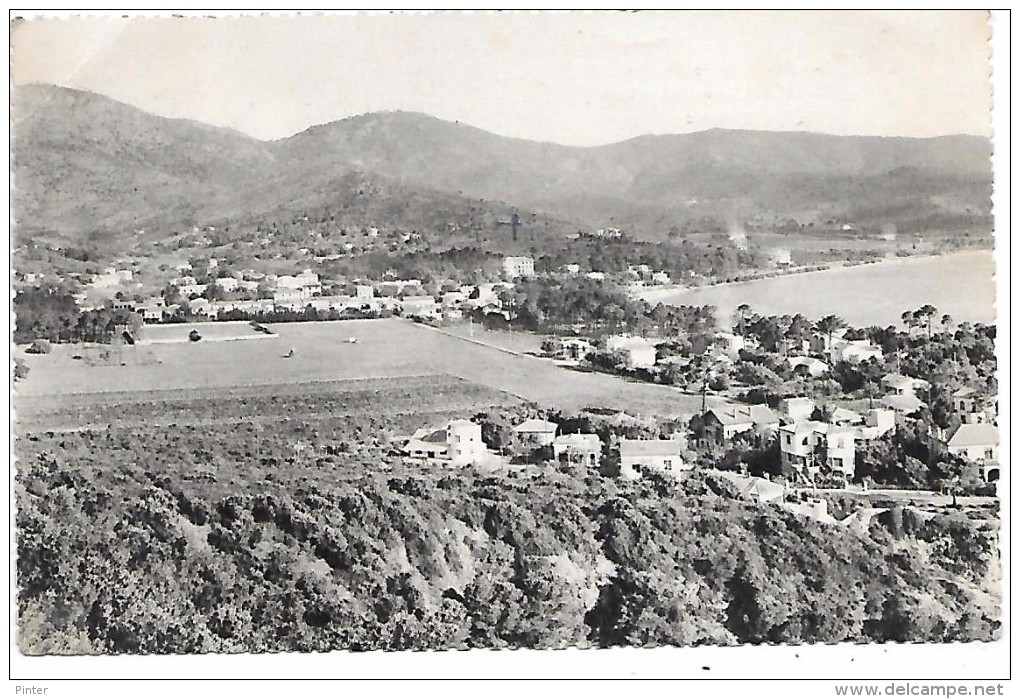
(385, 349)
(414, 397)
(961, 284)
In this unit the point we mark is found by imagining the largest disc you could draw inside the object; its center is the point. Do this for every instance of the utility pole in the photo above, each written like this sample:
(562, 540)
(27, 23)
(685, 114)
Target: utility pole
(704, 386)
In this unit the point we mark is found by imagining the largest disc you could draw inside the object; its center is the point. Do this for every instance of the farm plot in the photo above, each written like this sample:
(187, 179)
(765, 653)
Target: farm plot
(416, 397)
(216, 441)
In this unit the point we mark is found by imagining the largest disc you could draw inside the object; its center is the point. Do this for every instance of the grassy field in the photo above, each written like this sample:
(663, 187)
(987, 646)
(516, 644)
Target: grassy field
(961, 284)
(523, 342)
(178, 332)
(385, 349)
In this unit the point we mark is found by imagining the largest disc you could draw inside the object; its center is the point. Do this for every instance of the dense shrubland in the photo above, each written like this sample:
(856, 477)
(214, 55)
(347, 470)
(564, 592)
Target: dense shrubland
(305, 534)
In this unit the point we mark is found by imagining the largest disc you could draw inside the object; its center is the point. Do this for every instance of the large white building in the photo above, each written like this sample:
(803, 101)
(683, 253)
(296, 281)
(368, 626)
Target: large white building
(335, 303)
(307, 282)
(901, 385)
(853, 351)
(293, 299)
(419, 307)
(877, 422)
(797, 409)
(111, 277)
(781, 257)
(190, 291)
(228, 284)
(514, 267)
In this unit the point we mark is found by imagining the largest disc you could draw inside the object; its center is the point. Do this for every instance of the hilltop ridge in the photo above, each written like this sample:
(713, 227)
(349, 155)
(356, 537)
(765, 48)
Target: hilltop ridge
(85, 164)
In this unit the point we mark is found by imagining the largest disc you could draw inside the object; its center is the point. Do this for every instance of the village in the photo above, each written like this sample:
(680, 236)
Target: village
(801, 399)
(209, 273)
(208, 288)
(814, 450)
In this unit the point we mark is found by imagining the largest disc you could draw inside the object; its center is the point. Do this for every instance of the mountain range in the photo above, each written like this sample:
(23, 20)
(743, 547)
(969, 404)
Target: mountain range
(85, 164)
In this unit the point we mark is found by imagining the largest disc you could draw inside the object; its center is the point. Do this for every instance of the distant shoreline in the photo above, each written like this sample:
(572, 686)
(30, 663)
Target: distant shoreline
(960, 284)
(658, 294)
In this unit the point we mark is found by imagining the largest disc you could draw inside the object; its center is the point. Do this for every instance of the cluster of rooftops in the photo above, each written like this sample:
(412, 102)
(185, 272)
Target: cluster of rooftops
(809, 438)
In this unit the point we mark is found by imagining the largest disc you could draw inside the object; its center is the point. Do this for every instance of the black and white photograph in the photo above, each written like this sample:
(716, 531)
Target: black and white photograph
(457, 331)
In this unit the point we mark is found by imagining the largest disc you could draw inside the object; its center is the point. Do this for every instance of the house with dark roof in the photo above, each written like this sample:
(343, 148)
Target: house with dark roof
(725, 422)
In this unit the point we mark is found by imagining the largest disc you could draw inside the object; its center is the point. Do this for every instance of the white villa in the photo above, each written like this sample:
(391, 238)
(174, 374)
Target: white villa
(585, 449)
(458, 442)
(806, 446)
(977, 442)
(641, 455)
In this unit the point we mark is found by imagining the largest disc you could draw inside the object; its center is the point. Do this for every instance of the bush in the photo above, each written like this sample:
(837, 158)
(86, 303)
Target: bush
(39, 347)
(718, 383)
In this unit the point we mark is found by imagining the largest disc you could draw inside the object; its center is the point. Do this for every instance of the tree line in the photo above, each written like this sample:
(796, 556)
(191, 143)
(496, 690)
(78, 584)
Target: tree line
(52, 315)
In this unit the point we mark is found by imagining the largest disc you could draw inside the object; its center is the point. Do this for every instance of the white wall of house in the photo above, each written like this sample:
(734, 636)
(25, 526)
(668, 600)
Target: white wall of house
(640, 357)
(977, 452)
(798, 409)
(883, 420)
(464, 442)
(631, 467)
(797, 444)
(514, 267)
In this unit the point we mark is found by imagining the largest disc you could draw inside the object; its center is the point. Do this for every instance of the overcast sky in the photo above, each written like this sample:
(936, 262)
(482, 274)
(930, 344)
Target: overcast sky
(573, 78)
